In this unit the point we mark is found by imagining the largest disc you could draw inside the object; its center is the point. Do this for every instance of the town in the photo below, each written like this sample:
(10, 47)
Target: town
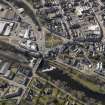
(52, 52)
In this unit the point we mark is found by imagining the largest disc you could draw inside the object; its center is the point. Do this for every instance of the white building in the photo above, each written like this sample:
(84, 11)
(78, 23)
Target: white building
(20, 10)
(80, 9)
(26, 35)
(93, 27)
(5, 27)
(7, 31)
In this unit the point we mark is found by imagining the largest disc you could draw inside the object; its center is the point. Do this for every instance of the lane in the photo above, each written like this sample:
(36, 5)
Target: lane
(11, 82)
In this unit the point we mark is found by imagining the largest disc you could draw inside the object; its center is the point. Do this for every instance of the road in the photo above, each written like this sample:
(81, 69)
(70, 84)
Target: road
(11, 56)
(74, 68)
(36, 65)
(33, 10)
(34, 75)
(63, 19)
(98, 19)
(75, 100)
(40, 35)
(40, 39)
(11, 82)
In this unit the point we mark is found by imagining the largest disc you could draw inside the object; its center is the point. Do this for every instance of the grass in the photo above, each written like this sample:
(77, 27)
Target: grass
(30, 1)
(52, 41)
(89, 85)
(8, 102)
(75, 75)
(55, 92)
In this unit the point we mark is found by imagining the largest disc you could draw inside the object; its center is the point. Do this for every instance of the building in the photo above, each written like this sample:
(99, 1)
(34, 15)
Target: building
(5, 68)
(2, 26)
(20, 10)
(26, 35)
(80, 9)
(5, 27)
(16, 94)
